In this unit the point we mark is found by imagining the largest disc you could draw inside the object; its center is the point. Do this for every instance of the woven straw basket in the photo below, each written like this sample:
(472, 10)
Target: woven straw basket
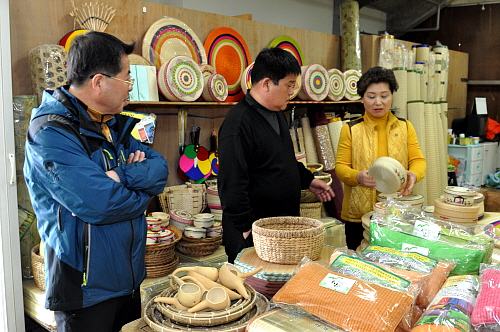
(161, 259)
(189, 197)
(286, 240)
(38, 267)
(311, 210)
(198, 247)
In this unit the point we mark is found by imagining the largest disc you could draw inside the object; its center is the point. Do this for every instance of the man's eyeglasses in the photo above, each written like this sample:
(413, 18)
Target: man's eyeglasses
(130, 82)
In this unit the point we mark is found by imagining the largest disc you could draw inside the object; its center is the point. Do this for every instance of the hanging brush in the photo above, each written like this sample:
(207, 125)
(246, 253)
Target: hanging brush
(93, 16)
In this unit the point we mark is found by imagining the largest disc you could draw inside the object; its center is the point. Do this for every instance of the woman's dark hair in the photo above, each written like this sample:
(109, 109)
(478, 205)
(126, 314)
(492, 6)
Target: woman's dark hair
(93, 53)
(274, 63)
(377, 75)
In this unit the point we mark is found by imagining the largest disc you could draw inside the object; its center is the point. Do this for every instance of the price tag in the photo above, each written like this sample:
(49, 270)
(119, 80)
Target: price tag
(337, 283)
(426, 230)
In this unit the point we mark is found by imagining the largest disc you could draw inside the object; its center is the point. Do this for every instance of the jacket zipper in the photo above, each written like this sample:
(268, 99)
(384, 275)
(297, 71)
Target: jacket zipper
(59, 219)
(130, 259)
(86, 253)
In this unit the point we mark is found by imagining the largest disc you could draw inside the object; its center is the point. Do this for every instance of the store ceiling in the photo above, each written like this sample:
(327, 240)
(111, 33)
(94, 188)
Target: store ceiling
(404, 16)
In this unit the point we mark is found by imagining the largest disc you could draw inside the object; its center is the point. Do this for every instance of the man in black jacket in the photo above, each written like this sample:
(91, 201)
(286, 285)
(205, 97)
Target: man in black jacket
(258, 175)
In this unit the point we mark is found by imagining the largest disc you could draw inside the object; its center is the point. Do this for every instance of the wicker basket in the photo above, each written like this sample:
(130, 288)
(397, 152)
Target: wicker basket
(311, 210)
(189, 197)
(159, 323)
(308, 197)
(209, 317)
(38, 267)
(286, 240)
(198, 247)
(161, 259)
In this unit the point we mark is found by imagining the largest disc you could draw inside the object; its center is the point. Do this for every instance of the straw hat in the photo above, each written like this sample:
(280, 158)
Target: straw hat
(389, 174)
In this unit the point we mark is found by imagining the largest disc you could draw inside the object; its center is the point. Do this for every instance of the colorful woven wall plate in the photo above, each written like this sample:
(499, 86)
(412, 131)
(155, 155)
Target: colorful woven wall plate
(207, 70)
(136, 59)
(246, 80)
(351, 78)
(228, 53)
(215, 88)
(169, 37)
(336, 86)
(289, 44)
(314, 83)
(70, 36)
(180, 79)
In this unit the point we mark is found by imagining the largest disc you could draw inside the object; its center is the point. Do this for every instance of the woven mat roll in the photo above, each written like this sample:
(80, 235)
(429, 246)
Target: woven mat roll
(434, 189)
(400, 97)
(411, 60)
(298, 140)
(315, 83)
(350, 56)
(422, 54)
(334, 129)
(443, 149)
(336, 86)
(351, 78)
(310, 145)
(214, 88)
(423, 85)
(386, 49)
(417, 119)
(48, 68)
(413, 94)
(324, 146)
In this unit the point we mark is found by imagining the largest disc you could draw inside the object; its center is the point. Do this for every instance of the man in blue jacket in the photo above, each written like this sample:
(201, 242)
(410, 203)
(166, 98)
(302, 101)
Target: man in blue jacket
(90, 182)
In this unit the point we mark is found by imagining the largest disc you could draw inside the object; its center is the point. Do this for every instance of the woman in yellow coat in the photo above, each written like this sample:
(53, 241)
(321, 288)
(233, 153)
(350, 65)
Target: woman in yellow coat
(376, 134)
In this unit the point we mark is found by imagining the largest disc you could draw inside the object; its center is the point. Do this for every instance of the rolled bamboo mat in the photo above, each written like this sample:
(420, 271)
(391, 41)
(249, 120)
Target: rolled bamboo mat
(386, 48)
(400, 97)
(334, 129)
(443, 105)
(441, 147)
(412, 86)
(417, 118)
(324, 146)
(422, 54)
(423, 84)
(434, 189)
(431, 79)
(310, 145)
(351, 78)
(298, 140)
(350, 56)
(336, 86)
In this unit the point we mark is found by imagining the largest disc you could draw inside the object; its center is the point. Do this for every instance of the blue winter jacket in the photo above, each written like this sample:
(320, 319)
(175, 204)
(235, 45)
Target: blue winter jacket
(93, 227)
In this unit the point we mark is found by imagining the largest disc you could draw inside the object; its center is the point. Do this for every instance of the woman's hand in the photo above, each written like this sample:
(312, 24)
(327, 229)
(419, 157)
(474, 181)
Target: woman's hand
(366, 179)
(410, 182)
(323, 191)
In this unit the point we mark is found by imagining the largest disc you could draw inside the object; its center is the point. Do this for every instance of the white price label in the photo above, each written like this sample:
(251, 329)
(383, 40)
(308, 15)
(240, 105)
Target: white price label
(337, 283)
(426, 230)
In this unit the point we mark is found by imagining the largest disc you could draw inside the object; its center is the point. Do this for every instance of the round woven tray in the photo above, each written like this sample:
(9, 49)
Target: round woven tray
(38, 267)
(166, 246)
(286, 240)
(207, 317)
(198, 247)
(159, 323)
(162, 270)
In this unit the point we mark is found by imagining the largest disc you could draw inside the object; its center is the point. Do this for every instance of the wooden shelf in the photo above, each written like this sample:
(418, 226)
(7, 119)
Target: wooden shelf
(203, 103)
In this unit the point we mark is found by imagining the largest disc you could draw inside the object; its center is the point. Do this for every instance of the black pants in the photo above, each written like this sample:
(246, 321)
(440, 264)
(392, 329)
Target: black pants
(106, 316)
(234, 241)
(353, 234)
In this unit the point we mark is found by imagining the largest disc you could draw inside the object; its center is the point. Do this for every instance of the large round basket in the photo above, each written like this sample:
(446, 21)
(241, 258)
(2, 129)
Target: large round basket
(160, 323)
(198, 247)
(38, 267)
(208, 317)
(286, 240)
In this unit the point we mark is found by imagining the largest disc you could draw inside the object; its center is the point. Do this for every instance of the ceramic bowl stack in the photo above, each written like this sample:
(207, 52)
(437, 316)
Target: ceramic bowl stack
(160, 258)
(458, 205)
(200, 239)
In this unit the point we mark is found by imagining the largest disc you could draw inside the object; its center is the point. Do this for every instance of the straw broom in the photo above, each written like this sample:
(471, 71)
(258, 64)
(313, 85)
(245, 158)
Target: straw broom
(93, 16)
